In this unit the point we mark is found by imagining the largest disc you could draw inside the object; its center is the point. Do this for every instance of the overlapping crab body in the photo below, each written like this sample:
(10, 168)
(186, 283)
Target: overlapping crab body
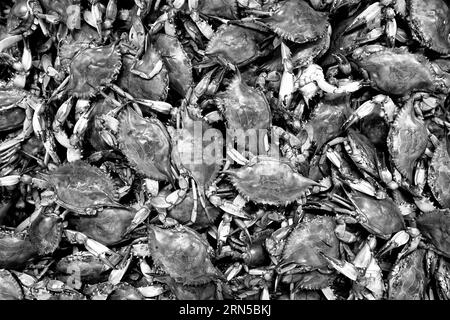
(45, 232)
(10, 288)
(183, 254)
(439, 175)
(82, 188)
(92, 69)
(381, 217)
(15, 249)
(244, 107)
(227, 9)
(154, 88)
(430, 23)
(235, 44)
(396, 71)
(177, 62)
(435, 227)
(362, 152)
(272, 181)
(297, 21)
(407, 280)
(407, 140)
(146, 144)
(107, 226)
(88, 267)
(311, 236)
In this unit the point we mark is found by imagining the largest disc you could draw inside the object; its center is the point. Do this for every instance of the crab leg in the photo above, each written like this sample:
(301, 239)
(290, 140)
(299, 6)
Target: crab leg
(371, 13)
(287, 80)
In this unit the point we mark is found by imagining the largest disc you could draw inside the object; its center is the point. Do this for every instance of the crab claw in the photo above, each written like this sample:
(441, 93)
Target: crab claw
(344, 267)
(371, 13)
(399, 239)
(363, 111)
(139, 217)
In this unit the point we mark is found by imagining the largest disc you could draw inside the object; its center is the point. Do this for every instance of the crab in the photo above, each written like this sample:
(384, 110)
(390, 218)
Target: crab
(301, 253)
(15, 249)
(434, 227)
(439, 173)
(183, 254)
(398, 72)
(65, 11)
(10, 287)
(428, 21)
(407, 279)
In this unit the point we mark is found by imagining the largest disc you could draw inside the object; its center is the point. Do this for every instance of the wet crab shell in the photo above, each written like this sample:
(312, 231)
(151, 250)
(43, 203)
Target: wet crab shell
(15, 250)
(406, 280)
(430, 23)
(183, 254)
(146, 144)
(297, 21)
(92, 69)
(311, 280)
(268, 180)
(177, 62)
(244, 107)
(227, 9)
(59, 6)
(439, 175)
(10, 288)
(237, 45)
(82, 188)
(435, 227)
(395, 71)
(407, 140)
(107, 226)
(88, 267)
(155, 88)
(381, 217)
(45, 232)
(311, 236)
(125, 291)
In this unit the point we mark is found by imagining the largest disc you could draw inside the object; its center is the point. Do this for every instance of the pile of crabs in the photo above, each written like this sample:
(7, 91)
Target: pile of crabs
(346, 197)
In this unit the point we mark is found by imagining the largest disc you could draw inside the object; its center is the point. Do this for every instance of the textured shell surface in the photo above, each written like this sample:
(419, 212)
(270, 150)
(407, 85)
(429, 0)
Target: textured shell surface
(87, 266)
(92, 69)
(407, 140)
(11, 114)
(146, 144)
(15, 250)
(244, 107)
(10, 288)
(297, 21)
(435, 227)
(107, 226)
(45, 232)
(227, 9)
(270, 181)
(396, 71)
(362, 152)
(311, 236)
(382, 217)
(406, 280)
(155, 88)
(177, 62)
(183, 254)
(235, 44)
(439, 175)
(311, 280)
(430, 23)
(80, 186)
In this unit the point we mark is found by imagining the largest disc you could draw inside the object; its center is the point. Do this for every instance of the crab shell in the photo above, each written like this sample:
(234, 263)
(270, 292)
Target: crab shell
(430, 23)
(125, 291)
(435, 227)
(92, 69)
(267, 180)
(177, 62)
(244, 107)
(81, 187)
(12, 114)
(15, 250)
(227, 9)
(407, 140)
(381, 217)
(146, 144)
(155, 88)
(362, 152)
(311, 236)
(99, 108)
(107, 226)
(396, 71)
(183, 254)
(88, 267)
(10, 288)
(297, 21)
(311, 280)
(235, 44)
(407, 279)
(45, 232)
(439, 175)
